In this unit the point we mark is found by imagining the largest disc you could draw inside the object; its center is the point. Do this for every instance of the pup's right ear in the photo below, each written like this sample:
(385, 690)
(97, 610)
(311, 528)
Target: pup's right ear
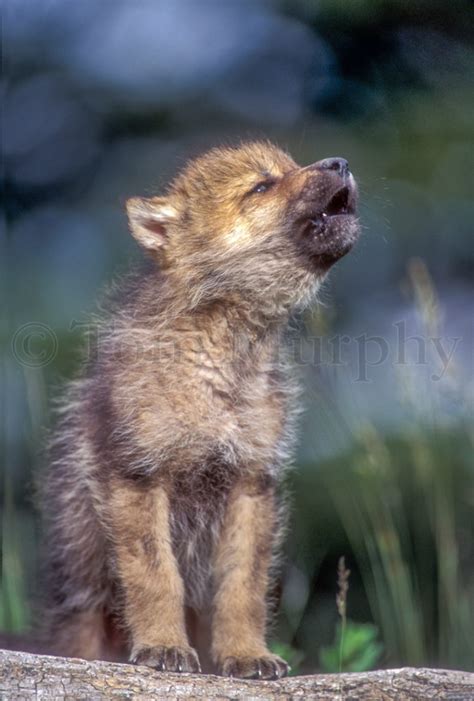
(149, 221)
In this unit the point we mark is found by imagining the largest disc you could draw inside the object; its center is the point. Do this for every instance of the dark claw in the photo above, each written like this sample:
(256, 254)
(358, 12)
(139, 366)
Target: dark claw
(169, 659)
(270, 667)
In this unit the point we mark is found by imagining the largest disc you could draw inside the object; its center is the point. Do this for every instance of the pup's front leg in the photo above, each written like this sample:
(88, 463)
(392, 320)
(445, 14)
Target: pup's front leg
(242, 561)
(148, 572)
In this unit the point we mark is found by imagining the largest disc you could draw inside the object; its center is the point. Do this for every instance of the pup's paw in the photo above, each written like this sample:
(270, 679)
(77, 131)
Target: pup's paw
(168, 659)
(268, 667)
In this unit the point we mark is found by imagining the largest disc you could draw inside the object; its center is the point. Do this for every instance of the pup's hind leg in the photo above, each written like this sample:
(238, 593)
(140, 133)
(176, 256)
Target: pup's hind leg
(79, 634)
(73, 560)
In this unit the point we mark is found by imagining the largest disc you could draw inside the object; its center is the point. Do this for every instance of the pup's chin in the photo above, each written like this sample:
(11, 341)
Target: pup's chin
(329, 233)
(329, 238)
(326, 239)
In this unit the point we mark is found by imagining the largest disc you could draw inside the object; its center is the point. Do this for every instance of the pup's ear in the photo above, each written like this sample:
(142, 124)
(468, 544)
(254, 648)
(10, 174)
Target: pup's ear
(149, 220)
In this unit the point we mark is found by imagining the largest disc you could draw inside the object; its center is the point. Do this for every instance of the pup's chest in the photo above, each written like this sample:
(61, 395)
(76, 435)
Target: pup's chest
(244, 408)
(235, 405)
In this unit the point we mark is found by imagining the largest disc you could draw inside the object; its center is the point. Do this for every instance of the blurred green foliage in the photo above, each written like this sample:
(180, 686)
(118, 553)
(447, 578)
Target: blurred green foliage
(355, 649)
(14, 606)
(404, 513)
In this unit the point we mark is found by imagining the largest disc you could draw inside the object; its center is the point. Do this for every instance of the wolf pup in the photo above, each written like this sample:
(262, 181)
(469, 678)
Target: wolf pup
(162, 488)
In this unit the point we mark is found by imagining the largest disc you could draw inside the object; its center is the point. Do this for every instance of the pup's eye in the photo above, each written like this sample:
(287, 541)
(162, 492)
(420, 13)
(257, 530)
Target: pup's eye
(262, 186)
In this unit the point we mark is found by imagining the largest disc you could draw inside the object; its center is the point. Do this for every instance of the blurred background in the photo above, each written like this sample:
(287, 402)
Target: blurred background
(104, 100)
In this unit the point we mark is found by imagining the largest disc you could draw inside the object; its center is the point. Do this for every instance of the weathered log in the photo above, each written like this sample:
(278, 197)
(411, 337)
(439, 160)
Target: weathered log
(25, 676)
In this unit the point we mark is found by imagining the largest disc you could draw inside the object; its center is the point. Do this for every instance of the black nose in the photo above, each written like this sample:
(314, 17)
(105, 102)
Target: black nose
(340, 165)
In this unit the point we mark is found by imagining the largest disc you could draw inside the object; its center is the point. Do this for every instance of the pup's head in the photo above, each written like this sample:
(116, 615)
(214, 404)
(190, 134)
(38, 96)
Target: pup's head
(249, 220)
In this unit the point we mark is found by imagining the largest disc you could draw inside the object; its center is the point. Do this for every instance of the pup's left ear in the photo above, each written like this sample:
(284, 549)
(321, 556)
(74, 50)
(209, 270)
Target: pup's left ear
(149, 221)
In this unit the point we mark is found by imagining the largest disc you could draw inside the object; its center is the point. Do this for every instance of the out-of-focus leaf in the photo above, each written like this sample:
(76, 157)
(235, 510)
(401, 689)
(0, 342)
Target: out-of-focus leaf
(358, 651)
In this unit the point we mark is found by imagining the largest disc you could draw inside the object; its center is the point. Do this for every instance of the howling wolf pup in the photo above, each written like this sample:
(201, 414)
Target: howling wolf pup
(162, 492)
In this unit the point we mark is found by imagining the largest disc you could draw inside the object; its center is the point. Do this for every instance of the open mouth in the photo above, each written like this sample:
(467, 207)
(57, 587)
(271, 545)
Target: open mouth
(331, 231)
(341, 203)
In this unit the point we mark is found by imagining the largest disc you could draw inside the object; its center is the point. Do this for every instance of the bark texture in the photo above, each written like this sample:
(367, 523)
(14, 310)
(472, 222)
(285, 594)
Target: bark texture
(27, 676)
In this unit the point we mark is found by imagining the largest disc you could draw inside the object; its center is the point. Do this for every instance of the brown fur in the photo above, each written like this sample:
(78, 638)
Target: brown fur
(162, 489)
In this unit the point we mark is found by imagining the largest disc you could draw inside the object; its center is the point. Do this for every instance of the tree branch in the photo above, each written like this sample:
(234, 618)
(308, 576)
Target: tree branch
(24, 676)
